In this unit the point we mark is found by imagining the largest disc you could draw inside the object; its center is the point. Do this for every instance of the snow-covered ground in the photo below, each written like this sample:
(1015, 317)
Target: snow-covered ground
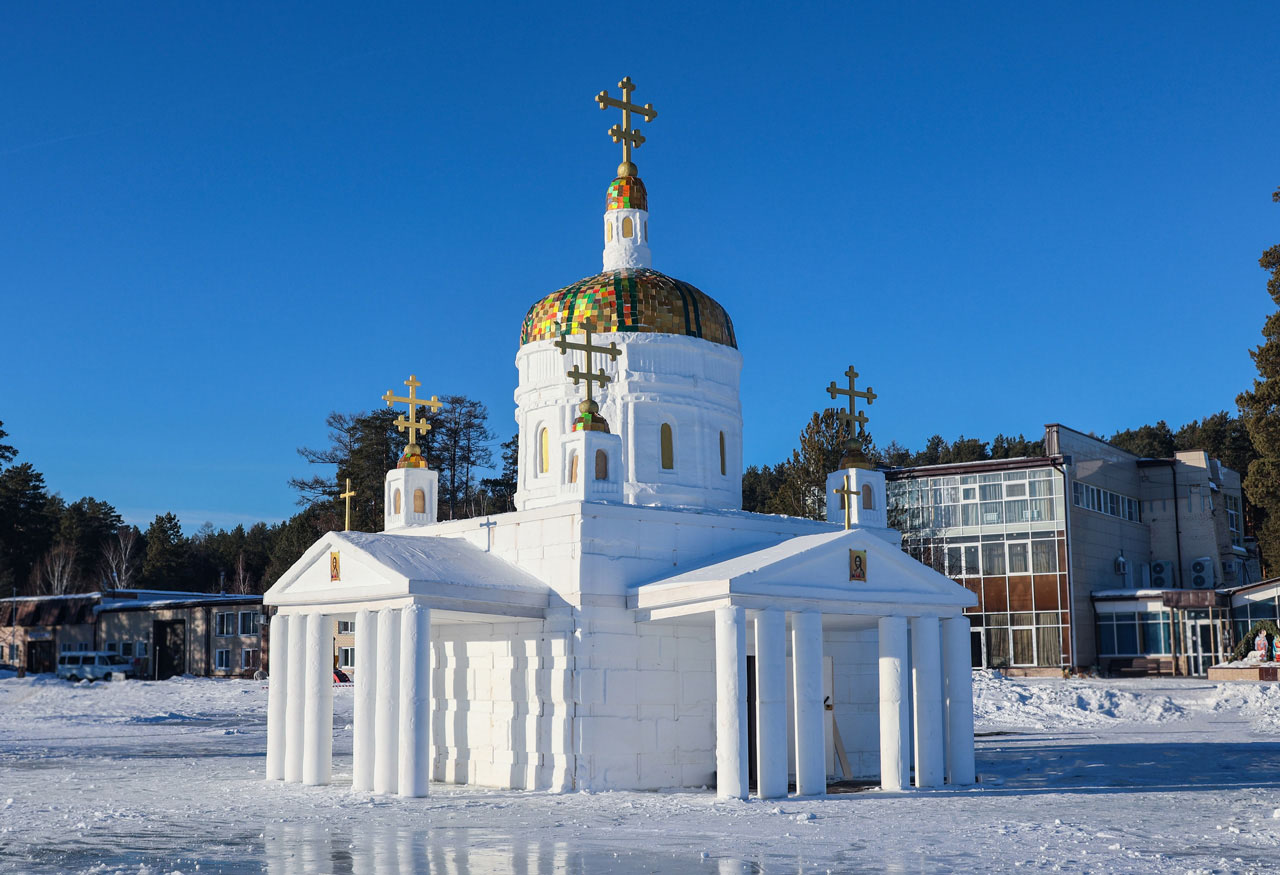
(1097, 776)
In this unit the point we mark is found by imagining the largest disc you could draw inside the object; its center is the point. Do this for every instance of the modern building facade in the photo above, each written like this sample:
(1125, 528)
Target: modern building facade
(1086, 556)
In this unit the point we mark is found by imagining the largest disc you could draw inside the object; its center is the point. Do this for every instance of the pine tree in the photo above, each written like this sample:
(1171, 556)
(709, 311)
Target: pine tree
(1260, 409)
(166, 564)
(1148, 441)
(28, 524)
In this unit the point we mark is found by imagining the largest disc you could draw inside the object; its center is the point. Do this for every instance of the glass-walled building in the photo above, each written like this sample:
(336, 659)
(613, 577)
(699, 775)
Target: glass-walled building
(1088, 556)
(998, 528)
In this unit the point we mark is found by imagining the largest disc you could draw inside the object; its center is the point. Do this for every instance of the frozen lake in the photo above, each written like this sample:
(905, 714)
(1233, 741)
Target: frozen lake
(1099, 776)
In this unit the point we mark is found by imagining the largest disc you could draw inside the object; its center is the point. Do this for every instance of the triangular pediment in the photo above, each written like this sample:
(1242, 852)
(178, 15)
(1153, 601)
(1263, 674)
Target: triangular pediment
(355, 569)
(854, 566)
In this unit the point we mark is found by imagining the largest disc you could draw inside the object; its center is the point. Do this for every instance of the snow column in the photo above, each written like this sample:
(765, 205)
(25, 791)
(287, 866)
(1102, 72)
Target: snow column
(296, 694)
(317, 742)
(277, 690)
(806, 663)
(362, 740)
(731, 702)
(894, 743)
(771, 704)
(415, 700)
(926, 682)
(386, 720)
(958, 682)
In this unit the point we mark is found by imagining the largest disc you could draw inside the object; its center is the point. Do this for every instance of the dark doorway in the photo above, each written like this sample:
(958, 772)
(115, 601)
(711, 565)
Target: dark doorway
(751, 723)
(975, 648)
(40, 657)
(169, 639)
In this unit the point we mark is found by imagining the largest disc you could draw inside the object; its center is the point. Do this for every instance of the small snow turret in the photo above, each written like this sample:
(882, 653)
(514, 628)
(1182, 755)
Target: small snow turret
(411, 487)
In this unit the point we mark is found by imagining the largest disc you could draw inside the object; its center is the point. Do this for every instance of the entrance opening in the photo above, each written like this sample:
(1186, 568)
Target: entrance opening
(170, 638)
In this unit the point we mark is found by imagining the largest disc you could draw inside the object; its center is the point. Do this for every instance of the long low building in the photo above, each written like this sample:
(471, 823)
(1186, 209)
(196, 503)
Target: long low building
(163, 633)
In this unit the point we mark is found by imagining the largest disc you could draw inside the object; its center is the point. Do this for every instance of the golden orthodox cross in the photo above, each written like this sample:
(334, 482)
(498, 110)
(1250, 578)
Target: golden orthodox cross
(348, 495)
(626, 135)
(853, 415)
(588, 348)
(411, 423)
(847, 495)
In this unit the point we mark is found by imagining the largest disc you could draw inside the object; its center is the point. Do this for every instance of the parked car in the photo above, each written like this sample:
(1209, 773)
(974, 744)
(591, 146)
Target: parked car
(93, 665)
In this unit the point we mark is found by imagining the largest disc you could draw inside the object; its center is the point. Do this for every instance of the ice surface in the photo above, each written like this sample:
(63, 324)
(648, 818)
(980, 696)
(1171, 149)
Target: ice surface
(1080, 775)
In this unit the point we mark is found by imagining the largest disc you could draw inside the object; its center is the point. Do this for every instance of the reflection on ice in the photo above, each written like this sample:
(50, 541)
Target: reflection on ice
(304, 848)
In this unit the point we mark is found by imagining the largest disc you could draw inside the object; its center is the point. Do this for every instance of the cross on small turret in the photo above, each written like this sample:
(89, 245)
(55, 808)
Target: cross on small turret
(626, 135)
(411, 423)
(853, 417)
(588, 408)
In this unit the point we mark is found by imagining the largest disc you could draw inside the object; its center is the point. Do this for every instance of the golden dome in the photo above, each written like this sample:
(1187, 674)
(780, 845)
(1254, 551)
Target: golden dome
(638, 300)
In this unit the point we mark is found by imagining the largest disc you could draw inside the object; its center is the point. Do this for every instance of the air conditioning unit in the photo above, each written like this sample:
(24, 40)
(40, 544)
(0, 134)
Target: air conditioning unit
(1162, 574)
(1202, 572)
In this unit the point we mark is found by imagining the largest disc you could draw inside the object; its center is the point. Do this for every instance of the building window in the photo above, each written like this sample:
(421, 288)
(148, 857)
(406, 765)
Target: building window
(346, 627)
(993, 559)
(1232, 503)
(224, 624)
(573, 468)
(544, 451)
(248, 622)
(222, 660)
(628, 226)
(1044, 557)
(346, 657)
(396, 503)
(724, 469)
(13, 653)
(141, 649)
(667, 447)
(1104, 501)
(419, 501)
(1135, 633)
(126, 648)
(113, 647)
(602, 465)
(868, 497)
(1018, 559)
(608, 231)
(248, 659)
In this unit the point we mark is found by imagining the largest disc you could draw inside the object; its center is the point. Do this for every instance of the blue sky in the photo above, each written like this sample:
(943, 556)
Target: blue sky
(219, 221)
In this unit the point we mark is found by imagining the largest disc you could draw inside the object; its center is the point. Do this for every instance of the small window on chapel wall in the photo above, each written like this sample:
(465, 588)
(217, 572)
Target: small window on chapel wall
(602, 465)
(419, 501)
(396, 503)
(724, 469)
(608, 231)
(628, 226)
(667, 447)
(544, 452)
(868, 497)
(573, 468)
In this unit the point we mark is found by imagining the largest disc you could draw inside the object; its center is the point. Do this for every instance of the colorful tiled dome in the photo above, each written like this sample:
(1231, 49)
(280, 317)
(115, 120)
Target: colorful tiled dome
(411, 460)
(627, 193)
(632, 299)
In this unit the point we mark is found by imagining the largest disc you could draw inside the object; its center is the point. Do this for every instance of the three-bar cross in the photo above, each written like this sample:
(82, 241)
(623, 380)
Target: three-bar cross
(626, 135)
(411, 423)
(853, 415)
(588, 348)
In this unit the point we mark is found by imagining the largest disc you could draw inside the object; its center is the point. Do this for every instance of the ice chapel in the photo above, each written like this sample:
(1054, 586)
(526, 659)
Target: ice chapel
(628, 626)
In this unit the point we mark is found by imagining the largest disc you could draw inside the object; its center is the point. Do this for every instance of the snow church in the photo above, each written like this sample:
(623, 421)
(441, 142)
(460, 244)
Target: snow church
(628, 626)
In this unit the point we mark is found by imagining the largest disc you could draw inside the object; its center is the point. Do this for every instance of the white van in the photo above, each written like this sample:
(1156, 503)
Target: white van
(93, 665)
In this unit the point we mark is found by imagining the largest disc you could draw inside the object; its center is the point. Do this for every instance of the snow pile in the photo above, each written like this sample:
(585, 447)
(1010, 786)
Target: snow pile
(1035, 703)
(1258, 703)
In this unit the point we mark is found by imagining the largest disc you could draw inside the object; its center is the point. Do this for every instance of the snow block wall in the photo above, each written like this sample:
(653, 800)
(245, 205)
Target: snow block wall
(855, 691)
(502, 704)
(646, 703)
